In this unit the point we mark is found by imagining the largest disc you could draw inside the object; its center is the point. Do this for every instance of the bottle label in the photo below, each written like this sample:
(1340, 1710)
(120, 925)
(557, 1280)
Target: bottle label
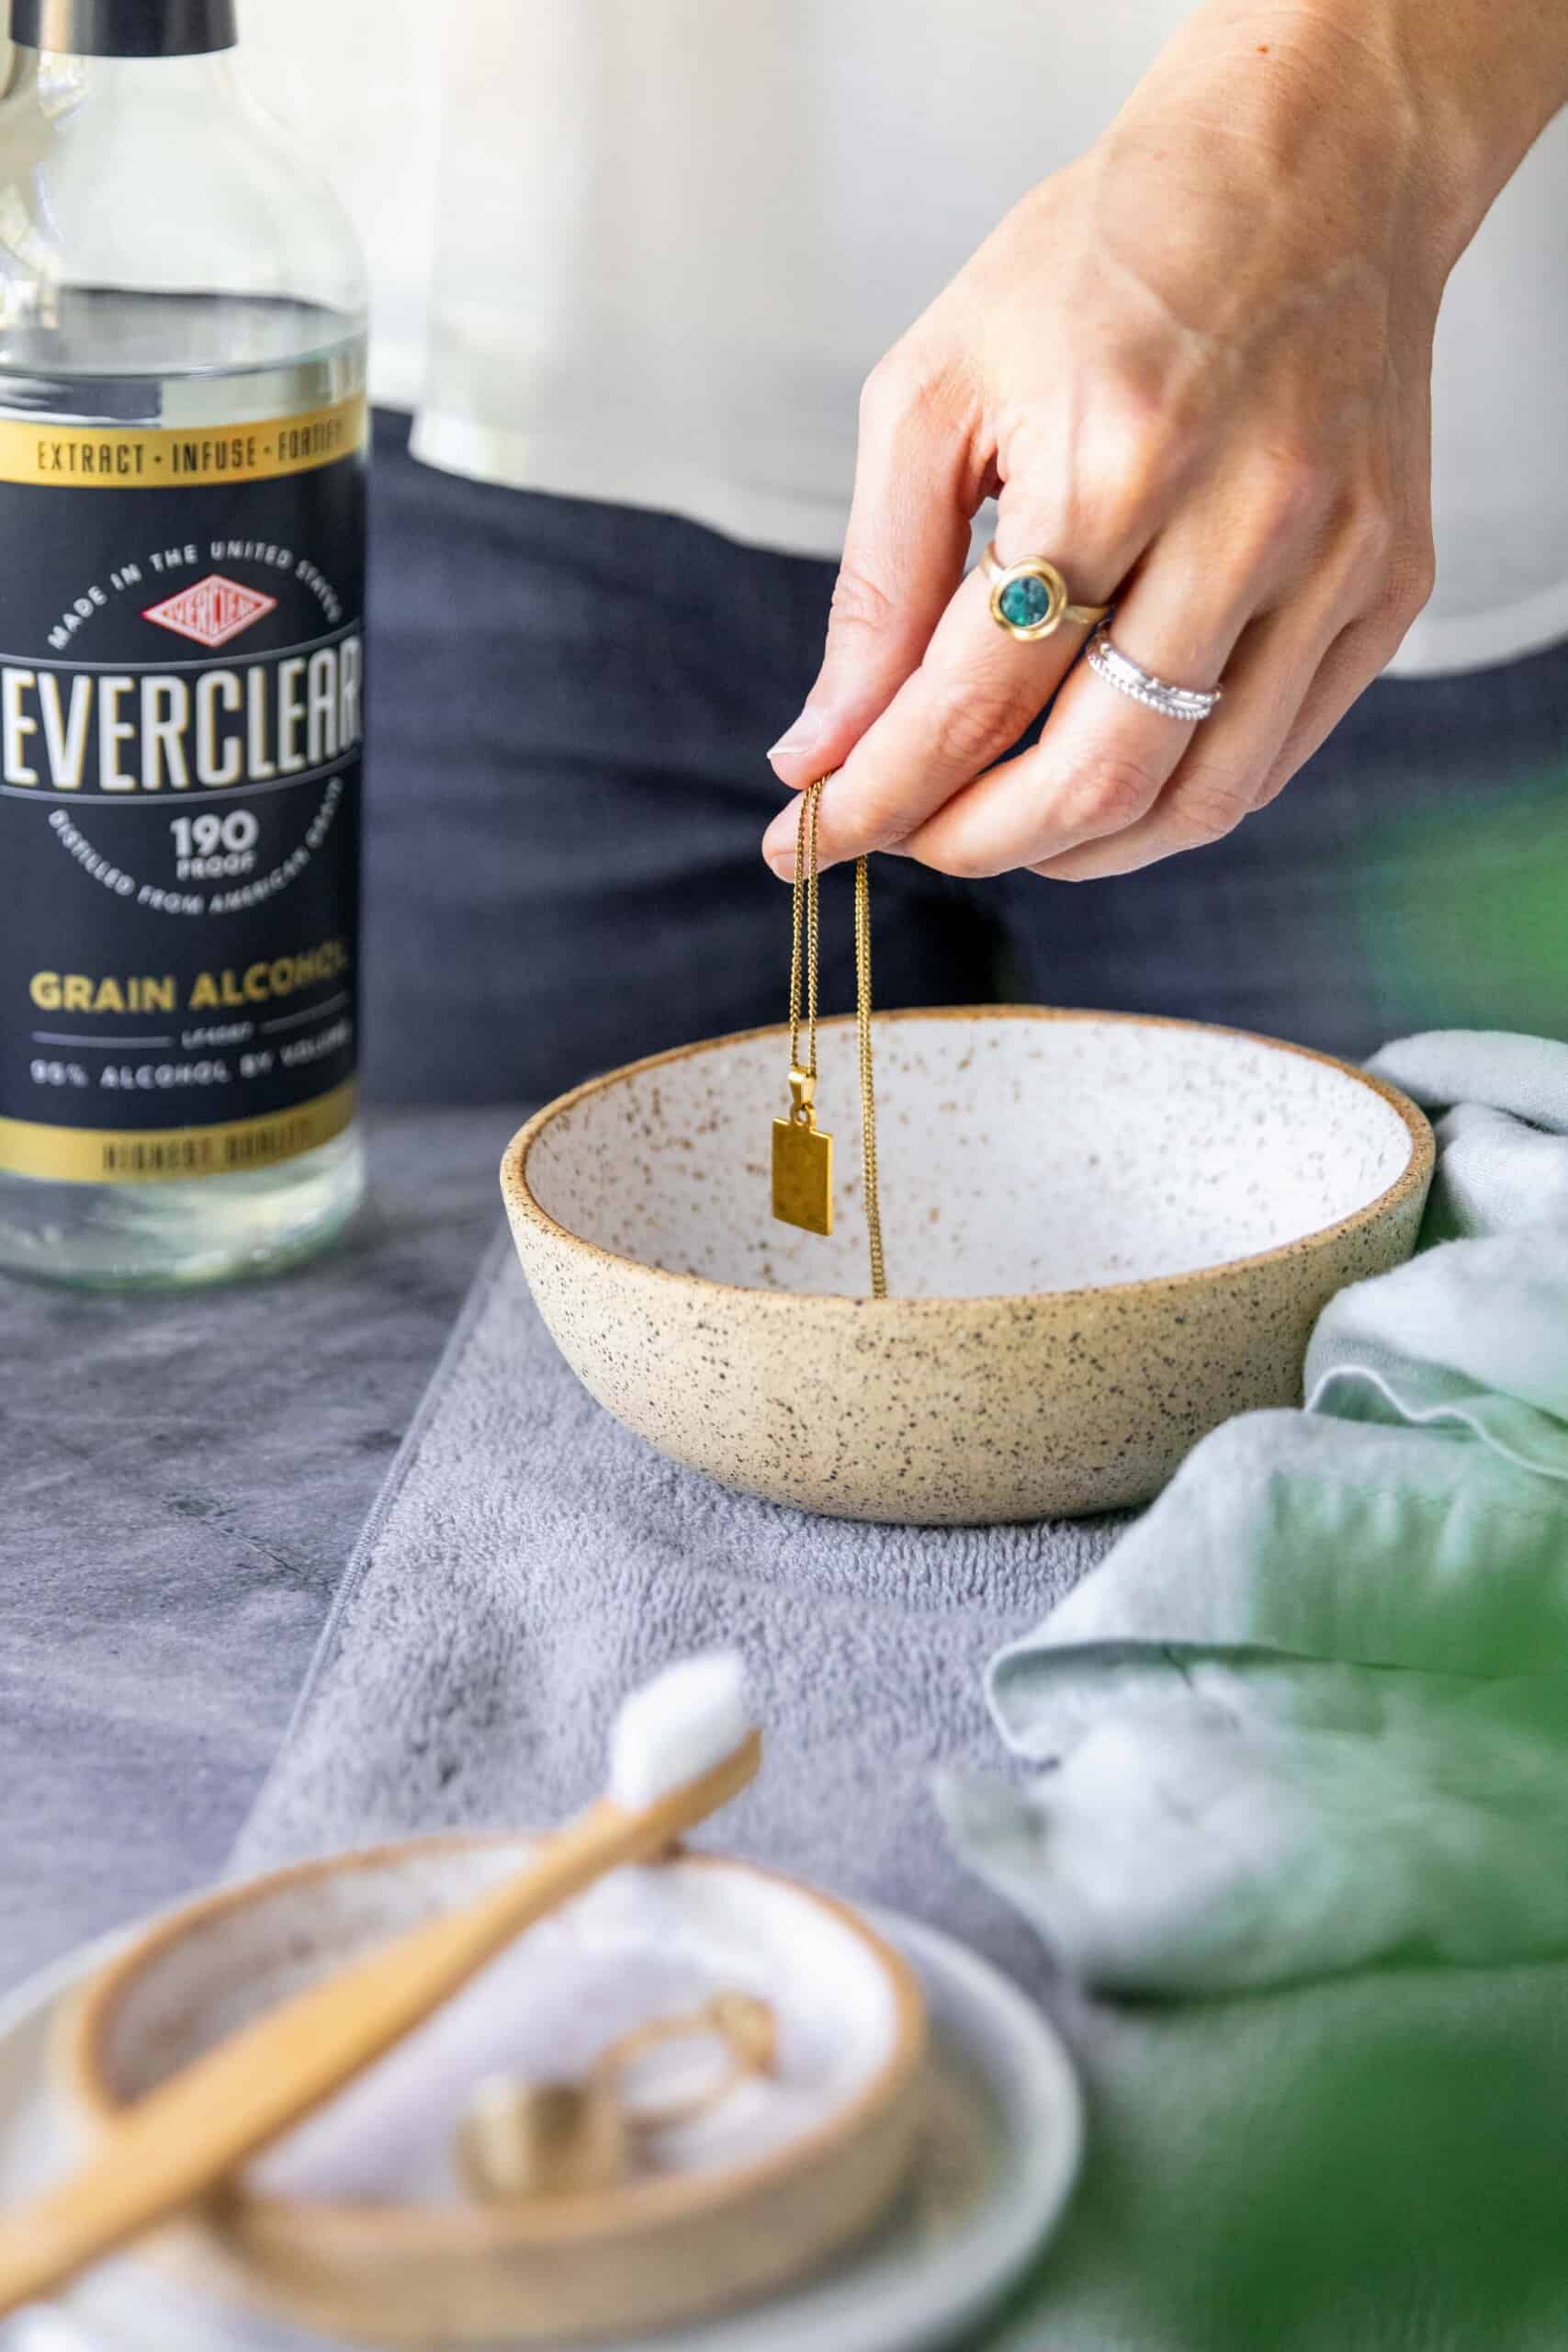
(182, 709)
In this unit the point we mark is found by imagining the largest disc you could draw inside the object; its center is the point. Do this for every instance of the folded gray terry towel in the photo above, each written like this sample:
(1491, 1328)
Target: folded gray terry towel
(529, 1560)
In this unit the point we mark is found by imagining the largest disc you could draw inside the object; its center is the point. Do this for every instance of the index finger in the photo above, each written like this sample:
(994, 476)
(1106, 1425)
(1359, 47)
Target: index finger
(972, 695)
(904, 550)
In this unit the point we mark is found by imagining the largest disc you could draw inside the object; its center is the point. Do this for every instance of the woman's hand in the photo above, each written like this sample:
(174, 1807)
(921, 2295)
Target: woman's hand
(1193, 368)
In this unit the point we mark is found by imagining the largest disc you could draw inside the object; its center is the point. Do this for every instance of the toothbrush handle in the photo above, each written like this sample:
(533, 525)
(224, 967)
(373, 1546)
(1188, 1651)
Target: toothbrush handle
(181, 2140)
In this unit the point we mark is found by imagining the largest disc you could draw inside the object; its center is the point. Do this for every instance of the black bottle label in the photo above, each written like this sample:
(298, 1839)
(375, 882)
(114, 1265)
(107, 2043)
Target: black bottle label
(182, 703)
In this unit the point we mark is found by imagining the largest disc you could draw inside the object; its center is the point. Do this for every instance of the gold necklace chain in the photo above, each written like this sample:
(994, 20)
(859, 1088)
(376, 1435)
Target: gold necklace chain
(867, 1086)
(803, 1164)
(805, 921)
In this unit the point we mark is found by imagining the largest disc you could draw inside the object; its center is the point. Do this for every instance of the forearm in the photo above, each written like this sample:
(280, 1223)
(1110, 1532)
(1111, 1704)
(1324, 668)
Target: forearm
(1451, 94)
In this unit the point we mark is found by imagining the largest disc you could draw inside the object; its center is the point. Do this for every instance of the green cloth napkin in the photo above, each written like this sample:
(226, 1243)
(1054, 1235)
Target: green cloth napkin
(1298, 1822)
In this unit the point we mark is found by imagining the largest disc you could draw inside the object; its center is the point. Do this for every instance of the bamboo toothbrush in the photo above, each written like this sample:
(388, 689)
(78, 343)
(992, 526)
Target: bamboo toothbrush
(681, 1747)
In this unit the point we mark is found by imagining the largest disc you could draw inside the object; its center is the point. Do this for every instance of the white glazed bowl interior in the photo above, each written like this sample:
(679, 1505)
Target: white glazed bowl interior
(642, 1943)
(1018, 1154)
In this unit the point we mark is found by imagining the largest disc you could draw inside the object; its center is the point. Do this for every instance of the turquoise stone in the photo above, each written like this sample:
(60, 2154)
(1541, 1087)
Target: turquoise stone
(1024, 603)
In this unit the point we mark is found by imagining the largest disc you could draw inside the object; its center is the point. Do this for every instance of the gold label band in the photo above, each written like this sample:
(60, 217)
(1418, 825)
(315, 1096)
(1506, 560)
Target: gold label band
(74, 457)
(151, 1156)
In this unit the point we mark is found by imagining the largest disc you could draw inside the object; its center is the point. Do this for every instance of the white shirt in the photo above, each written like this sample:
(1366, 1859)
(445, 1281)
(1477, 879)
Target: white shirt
(647, 250)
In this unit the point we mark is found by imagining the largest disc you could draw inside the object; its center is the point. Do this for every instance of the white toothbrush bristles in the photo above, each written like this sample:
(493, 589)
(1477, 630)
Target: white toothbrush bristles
(677, 1728)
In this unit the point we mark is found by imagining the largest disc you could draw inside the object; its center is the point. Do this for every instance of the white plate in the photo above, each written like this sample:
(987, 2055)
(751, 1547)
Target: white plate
(1001, 2156)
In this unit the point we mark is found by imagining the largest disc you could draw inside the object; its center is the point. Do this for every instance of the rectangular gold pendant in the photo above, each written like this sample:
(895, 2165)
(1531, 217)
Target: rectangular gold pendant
(803, 1176)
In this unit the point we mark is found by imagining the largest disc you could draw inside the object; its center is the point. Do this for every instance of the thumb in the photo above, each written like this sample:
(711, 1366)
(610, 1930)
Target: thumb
(904, 555)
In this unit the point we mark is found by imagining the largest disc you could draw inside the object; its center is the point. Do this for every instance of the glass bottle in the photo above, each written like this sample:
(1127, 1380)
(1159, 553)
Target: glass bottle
(182, 545)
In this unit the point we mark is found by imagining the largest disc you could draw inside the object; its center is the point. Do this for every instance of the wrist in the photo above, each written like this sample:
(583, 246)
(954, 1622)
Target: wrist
(1424, 108)
(1479, 80)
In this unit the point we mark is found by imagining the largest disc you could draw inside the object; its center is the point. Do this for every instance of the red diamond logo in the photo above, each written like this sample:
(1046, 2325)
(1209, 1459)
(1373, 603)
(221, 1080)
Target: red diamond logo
(212, 612)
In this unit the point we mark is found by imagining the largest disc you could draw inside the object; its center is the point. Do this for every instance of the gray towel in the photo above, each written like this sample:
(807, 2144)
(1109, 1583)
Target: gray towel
(1367, 2162)
(1370, 2162)
(529, 1560)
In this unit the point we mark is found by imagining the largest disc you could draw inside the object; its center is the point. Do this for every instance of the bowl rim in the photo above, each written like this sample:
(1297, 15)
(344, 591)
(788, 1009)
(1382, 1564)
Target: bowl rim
(1413, 1178)
(78, 2066)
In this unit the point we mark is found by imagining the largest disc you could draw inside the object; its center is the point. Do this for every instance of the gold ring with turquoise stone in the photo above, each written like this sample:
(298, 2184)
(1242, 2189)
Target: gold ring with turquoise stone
(1029, 598)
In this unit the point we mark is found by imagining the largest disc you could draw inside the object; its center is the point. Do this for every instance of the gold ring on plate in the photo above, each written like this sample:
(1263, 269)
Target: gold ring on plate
(743, 2026)
(1029, 598)
(519, 2139)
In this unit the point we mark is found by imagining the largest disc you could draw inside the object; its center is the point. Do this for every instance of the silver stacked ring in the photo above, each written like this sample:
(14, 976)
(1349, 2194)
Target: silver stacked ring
(1119, 670)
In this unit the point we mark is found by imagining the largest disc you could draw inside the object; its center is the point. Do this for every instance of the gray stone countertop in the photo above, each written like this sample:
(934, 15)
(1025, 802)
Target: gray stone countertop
(181, 1479)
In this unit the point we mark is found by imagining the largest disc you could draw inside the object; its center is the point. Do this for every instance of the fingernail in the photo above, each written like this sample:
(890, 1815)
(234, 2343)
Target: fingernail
(797, 740)
(780, 862)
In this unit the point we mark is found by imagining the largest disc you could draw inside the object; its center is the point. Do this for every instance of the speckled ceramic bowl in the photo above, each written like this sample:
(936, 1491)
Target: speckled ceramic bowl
(1105, 1234)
